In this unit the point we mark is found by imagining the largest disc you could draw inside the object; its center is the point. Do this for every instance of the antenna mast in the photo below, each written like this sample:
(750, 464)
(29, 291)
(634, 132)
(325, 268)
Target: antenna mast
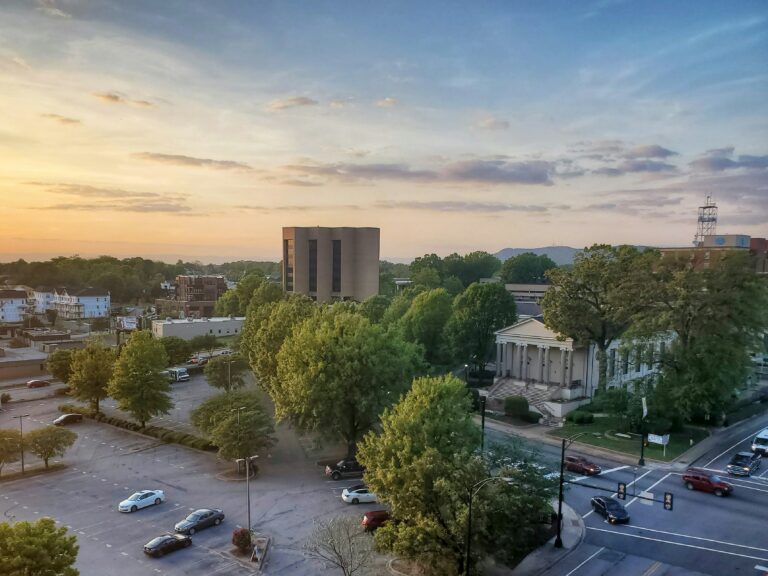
(707, 222)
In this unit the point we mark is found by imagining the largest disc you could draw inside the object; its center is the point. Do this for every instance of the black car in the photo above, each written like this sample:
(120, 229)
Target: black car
(166, 543)
(610, 509)
(349, 467)
(199, 519)
(743, 463)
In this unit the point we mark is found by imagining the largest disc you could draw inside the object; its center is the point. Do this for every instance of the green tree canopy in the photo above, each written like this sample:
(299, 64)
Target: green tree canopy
(427, 278)
(214, 409)
(338, 372)
(425, 322)
(427, 262)
(177, 349)
(226, 372)
(38, 548)
(10, 448)
(60, 364)
(138, 384)
(45, 443)
(375, 307)
(91, 372)
(243, 434)
(477, 313)
(526, 268)
(207, 342)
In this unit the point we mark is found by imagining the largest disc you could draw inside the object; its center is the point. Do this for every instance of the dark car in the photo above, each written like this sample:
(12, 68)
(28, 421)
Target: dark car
(581, 465)
(610, 509)
(199, 519)
(349, 467)
(697, 479)
(166, 543)
(68, 419)
(743, 463)
(38, 383)
(373, 519)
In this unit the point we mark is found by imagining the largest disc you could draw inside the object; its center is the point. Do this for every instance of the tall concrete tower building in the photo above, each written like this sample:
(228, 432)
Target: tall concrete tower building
(331, 264)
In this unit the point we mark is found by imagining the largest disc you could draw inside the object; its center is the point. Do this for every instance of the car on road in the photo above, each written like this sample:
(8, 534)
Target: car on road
(373, 519)
(743, 463)
(357, 494)
(698, 479)
(612, 510)
(581, 465)
(141, 499)
(166, 543)
(199, 519)
(38, 383)
(760, 442)
(349, 467)
(68, 419)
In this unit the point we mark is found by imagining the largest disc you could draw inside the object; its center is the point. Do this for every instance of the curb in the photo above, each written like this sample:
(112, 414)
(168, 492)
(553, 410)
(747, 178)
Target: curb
(392, 570)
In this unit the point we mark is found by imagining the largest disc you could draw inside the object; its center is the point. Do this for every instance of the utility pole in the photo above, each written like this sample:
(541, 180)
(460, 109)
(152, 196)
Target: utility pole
(21, 438)
(482, 425)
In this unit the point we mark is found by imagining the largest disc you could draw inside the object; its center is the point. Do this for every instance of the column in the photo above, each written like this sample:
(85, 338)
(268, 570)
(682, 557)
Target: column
(547, 366)
(524, 362)
(562, 367)
(510, 356)
(537, 367)
(569, 369)
(498, 358)
(512, 360)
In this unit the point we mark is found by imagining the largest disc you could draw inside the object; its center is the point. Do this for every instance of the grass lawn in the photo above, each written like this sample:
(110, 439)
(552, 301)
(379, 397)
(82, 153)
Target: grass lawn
(601, 434)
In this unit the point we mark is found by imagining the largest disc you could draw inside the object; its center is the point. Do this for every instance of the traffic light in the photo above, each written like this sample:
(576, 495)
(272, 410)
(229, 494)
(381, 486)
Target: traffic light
(668, 501)
(621, 493)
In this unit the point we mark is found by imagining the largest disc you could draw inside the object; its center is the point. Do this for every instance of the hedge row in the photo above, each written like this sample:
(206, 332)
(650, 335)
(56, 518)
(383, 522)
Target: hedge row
(581, 417)
(164, 434)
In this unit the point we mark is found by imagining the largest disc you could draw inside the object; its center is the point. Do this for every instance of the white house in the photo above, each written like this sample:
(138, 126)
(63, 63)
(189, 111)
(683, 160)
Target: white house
(83, 303)
(13, 305)
(44, 298)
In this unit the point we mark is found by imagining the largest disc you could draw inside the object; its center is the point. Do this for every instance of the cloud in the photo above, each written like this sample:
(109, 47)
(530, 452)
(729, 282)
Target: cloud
(148, 206)
(649, 151)
(461, 206)
(718, 160)
(387, 102)
(341, 102)
(492, 123)
(598, 147)
(608, 171)
(87, 191)
(345, 171)
(112, 199)
(297, 208)
(305, 183)
(115, 98)
(61, 119)
(646, 166)
(501, 172)
(726, 152)
(180, 160)
(49, 8)
(294, 102)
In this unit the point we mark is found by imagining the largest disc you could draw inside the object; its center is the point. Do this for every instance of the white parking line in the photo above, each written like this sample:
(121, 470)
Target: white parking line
(585, 561)
(618, 533)
(729, 449)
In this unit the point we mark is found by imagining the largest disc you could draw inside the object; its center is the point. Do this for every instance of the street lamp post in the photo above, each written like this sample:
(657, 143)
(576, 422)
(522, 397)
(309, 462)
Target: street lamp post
(466, 374)
(482, 425)
(472, 492)
(566, 442)
(21, 438)
(247, 462)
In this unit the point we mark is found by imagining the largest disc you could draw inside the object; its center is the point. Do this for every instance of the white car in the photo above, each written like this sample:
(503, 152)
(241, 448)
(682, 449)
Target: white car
(357, 494)
(141, 499)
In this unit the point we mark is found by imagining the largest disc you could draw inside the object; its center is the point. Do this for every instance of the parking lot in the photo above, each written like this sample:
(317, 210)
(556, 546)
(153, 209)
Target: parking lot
(107, 464)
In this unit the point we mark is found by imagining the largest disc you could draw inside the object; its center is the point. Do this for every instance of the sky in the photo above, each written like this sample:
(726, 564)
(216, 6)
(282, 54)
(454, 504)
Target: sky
(196, 130)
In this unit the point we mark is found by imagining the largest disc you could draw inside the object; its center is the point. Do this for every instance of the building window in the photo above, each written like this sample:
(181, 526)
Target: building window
(288, 263)
(625, 362)
(662, 349)
(313, 265)
(336, 285)
(612, 364)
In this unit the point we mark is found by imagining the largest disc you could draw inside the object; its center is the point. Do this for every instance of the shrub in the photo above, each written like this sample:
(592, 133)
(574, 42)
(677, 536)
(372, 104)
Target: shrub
(516, 406)
(532, 417)
(475, 394)
(5, 397)
(581, 417)
(241, 538)
(660, 426)
(61, 391)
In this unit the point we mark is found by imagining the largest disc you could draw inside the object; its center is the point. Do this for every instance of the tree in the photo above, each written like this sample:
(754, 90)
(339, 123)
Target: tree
(137, 381)
(38, 548)
(427, 277)
(375, 307)
(428, 261)
(477, 313)
(51, 315)
(228, 304)
(243, 433)
(226, 372)
(595, 300)
(425, 321)
(207, 342)
(342, 543)
(45, 443)
(214, 409)
(478, 265)
(526, 268)
(91, 372)
(338, 372)
(60, 364)
(177, 349)
(10, 446)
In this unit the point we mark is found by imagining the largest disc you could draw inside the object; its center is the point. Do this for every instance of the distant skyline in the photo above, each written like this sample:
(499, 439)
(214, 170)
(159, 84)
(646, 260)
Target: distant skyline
(197, 130)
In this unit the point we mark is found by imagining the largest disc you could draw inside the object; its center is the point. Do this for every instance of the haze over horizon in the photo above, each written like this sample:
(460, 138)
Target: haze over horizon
(196, 131)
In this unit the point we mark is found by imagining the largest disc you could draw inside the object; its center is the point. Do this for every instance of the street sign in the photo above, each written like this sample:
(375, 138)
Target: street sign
(646, 498)
(668, 501)
(621, 493)
(645, 408)
(659, 439)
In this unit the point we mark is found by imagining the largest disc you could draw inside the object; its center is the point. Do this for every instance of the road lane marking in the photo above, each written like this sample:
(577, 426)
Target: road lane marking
(618, 533)
(603, 473)
(700, 538)
(763, 568)
(585, 561)
(731, 448)
(650, 487)
(652, 568)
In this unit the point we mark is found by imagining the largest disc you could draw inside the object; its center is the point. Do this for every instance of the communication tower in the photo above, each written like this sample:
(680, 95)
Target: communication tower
(707, 221)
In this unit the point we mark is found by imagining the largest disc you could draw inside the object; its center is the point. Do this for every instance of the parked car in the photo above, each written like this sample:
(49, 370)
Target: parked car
(357, 494)
(349, 467)
(38, 383)
(743, 463)
(68, 419)
(141, 499)
(610, 509)
(697, 479)
(199, 519)
(166, 543)
(373, 519)
(760, 442)
(581, 465)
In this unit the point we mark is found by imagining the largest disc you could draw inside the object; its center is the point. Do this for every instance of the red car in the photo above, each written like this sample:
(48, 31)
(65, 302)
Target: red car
(697, 479)
(38, 383)
(373, 519)
(581, 465)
